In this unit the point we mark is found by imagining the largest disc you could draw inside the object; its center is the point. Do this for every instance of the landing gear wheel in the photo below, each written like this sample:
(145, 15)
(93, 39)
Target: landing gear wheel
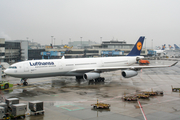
(91, 82)
(99, 80)
(25, 83)
(79, 79)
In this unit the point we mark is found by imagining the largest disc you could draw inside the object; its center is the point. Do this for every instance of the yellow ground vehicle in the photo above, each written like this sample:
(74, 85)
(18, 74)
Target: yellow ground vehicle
(153, 93)
(5, 85)
(175, 89)
(65, 46)
(100, 105)
(129, 98)
(143, 96)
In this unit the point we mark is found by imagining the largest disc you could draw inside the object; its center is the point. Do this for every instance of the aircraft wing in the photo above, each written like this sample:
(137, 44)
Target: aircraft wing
(106, 69)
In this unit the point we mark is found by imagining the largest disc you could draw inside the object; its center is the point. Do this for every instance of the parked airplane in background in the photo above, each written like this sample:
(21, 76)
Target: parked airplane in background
(176, 47)
(86, 68)
(171, 47)
(162, 51)
(157, 48)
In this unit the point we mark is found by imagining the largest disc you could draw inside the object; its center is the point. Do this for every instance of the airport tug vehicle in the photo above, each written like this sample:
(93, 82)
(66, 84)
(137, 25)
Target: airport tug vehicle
(5, 85)
(100, 105)
(175, 89)
(143, 62)
(129, 98)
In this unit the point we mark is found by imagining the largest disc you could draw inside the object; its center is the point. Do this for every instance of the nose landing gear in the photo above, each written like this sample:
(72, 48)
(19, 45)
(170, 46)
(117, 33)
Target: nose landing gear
(24, 81)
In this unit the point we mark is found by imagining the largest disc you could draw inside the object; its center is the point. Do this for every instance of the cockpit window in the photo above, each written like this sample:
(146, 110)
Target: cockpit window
(13, 67)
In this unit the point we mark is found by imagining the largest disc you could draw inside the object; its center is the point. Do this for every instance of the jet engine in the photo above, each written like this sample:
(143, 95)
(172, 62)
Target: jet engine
(129, 73)
(91, 75)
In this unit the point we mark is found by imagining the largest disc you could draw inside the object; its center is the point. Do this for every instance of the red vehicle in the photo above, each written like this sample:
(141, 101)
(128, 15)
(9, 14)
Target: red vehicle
(144, 62)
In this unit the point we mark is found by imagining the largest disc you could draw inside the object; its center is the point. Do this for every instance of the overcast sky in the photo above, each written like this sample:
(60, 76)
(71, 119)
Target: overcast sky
(157, 20)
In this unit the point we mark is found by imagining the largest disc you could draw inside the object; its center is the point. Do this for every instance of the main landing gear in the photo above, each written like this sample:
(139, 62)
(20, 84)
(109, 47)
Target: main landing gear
(94, 81)
(97, 81)
(24, 81)
(79, 79)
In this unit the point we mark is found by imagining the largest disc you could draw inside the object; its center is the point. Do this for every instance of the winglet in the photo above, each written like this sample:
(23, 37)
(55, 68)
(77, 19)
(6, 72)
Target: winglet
(137, 47)
(174, 64)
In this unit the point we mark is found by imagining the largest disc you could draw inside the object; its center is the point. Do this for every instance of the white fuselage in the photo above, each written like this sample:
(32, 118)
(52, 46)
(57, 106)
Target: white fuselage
(159, 51)
(65, 67)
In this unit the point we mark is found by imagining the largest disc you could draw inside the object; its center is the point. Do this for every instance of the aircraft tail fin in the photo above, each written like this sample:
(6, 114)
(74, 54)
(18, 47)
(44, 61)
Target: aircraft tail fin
(137, 47)
(163, 47)
(170, 47)
(176, 47)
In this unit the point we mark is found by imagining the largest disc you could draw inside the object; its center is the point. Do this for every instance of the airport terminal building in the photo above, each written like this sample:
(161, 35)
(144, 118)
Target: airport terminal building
(20, 50)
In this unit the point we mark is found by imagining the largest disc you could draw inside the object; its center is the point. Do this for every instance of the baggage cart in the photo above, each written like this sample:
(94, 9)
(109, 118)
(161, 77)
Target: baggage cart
(18, 110)
(5, 107)
(12, 101)
(36, 107)
(2, 113)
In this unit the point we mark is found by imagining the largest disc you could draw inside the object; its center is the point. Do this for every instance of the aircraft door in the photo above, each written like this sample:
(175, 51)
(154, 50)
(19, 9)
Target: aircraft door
(26, 67)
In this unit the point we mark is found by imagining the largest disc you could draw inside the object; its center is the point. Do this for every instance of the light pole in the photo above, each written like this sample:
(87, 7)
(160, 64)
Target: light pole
(54, 41)
(69, 41)
(152, 43)
(62, 42)
(81, 42)
(51, 40)
(101, 40)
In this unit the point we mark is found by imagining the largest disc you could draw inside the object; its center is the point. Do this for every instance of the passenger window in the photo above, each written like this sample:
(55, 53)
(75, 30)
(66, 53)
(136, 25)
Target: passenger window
(13, 67)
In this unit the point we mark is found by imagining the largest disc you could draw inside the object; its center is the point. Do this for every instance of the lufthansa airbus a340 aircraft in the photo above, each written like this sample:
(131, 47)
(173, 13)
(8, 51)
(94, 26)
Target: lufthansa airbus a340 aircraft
(86, 68)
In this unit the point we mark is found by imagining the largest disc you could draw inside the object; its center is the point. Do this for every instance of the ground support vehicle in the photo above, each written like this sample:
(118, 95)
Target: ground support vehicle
(175, 89)
(159, 92)
(5, 85)
(150, 93)
(37, 112)
(129, 98)
(12, 101)
(143, 96)
(36, 107)
(153, 93)
(143, 62)
(100, 105)
(18, 111)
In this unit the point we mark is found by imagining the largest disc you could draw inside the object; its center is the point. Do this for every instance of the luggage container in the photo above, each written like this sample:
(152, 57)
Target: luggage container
(5, 106)
(11, 101)
(36, 107)
(2, 113)
(18, 110)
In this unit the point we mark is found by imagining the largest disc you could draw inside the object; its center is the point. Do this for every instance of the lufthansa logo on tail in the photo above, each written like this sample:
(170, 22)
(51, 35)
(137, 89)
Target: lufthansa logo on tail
(139, 45)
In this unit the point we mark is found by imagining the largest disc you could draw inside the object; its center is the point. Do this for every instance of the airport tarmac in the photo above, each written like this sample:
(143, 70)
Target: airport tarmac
(65, 99)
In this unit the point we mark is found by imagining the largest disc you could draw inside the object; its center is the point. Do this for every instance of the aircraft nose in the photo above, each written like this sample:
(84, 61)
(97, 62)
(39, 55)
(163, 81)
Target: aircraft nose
(6, 71)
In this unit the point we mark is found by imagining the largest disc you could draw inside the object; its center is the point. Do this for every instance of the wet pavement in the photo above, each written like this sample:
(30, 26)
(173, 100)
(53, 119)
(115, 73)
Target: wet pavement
(65, 99)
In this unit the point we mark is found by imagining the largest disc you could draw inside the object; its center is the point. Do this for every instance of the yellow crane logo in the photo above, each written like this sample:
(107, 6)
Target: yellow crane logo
(139, 45)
